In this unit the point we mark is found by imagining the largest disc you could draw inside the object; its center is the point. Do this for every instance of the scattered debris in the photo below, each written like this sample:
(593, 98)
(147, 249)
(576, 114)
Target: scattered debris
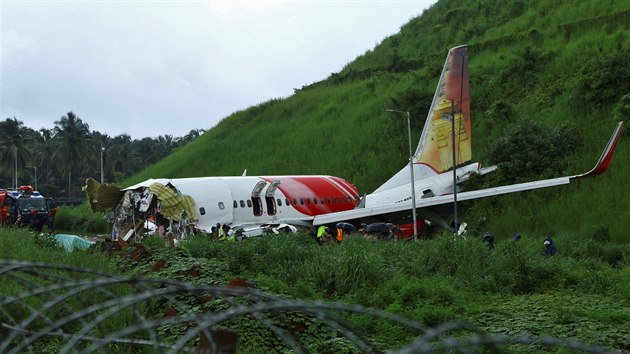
(140, 210)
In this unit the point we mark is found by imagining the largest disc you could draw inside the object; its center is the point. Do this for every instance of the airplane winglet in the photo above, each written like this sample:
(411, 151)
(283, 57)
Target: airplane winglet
(606, 156)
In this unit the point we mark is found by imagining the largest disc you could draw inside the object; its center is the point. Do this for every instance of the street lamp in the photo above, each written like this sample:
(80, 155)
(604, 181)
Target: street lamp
(413, 180)
(102, 176)
(35, 169)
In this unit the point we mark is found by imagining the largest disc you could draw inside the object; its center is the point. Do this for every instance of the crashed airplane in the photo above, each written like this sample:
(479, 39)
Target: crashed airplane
(252, 204)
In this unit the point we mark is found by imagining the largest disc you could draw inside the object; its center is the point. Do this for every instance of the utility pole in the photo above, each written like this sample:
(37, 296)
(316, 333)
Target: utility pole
(413, 180)
(102, 175)
(455, 222)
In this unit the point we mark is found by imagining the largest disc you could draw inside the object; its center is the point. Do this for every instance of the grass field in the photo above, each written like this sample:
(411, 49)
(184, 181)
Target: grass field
(581, 294)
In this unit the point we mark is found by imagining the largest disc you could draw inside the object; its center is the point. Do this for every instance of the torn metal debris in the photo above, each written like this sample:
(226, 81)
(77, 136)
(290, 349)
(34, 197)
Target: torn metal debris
(143, 209)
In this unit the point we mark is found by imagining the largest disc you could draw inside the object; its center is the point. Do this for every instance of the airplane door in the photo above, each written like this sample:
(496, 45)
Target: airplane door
(269, 197)
(256, 202)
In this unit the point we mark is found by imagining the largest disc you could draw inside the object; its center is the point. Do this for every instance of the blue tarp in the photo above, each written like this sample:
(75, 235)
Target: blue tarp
(72, 242)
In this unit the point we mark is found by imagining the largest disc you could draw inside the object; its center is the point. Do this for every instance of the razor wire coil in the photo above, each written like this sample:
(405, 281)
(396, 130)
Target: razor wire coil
(91, 311)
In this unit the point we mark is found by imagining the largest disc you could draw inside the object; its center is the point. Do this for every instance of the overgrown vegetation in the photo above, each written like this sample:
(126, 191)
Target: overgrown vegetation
(511, 290)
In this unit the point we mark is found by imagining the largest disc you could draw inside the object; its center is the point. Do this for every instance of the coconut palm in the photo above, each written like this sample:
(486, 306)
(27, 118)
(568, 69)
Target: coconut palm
(118, 156)
(192, 135)
(44, 151)
(143, 153)
(74, 148)
(14, 140)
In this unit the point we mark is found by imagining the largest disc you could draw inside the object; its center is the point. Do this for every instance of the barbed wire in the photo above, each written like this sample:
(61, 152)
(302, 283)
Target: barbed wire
(89, 311)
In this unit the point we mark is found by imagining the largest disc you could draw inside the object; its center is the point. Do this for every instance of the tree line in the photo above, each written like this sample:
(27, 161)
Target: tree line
(59, 160)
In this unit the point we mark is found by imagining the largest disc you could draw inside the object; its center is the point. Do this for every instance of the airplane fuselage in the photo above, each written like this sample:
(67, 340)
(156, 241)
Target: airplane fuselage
(258, 200)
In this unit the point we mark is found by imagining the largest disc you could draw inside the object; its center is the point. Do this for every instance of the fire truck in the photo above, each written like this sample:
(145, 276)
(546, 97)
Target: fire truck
(23, 207)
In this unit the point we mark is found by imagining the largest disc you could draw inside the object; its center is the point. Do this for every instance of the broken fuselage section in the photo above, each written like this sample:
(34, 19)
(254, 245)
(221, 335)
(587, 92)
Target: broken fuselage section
(156, 206)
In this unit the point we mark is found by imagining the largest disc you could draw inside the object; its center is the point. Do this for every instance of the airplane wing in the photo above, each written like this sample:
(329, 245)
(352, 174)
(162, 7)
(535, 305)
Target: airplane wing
(602, 164)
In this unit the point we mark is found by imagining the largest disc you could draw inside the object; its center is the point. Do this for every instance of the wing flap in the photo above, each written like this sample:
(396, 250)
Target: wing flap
(428, 202)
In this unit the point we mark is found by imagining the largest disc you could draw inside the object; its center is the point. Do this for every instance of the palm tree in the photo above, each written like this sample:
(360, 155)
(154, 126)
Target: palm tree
(119, 156)
(164, 144)
(143, 153)
(44, 150)
(14, 139)
(74, 150)
(192, 135)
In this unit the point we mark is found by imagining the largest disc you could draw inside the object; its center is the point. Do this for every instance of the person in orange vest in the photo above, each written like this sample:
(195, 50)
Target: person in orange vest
(339, 234)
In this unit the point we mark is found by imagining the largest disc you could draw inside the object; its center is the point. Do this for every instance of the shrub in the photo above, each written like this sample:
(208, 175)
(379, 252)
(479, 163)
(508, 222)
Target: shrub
(528, 150)
(602, 82)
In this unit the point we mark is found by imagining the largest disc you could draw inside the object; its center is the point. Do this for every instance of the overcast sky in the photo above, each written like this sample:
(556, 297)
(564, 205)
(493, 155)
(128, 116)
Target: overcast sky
(149, 68)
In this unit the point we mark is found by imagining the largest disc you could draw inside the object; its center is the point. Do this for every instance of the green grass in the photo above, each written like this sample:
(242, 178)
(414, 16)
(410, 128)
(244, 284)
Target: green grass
(511, 290)
(581, 294)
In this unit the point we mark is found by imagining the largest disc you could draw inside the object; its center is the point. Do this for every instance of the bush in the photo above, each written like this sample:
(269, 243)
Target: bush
(528, 150)
(80, 220)
(602, 82)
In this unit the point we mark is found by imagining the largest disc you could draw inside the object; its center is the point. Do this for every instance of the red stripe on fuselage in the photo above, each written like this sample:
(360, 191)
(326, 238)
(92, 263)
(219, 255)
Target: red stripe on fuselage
(305, 189)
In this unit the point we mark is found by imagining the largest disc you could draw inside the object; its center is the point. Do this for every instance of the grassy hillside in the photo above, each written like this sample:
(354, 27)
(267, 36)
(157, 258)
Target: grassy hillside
(556, 63)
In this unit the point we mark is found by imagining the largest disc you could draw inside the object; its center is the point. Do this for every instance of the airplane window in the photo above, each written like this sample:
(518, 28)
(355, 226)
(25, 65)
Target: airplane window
(249, 203)
(315, 200)
(279, 202)
(308, 200)
(221, 205)
(349, 199)
(235, 204)
(329, 202)
(336, 200)
(242, 204)
(287, 202)
(302, 201)
(322, 201)
(202, 211)
(343, 200)
(294, 201)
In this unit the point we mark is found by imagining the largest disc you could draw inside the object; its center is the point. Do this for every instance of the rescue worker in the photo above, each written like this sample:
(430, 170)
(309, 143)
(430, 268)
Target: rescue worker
(231, 236)
(321, 230)
(228, 235)
(325, 236)
(339, 234)
(489, 239)
(215, 231)
(51, 220)
(550, 249)
(222, 232)
(516, 237)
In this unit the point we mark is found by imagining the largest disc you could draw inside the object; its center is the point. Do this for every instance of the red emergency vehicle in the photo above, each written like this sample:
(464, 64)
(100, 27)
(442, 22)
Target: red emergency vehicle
(23, 207)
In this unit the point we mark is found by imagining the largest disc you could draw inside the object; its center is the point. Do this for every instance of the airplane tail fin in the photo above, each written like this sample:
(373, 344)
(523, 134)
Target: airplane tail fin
(434, 154)
(451, 101)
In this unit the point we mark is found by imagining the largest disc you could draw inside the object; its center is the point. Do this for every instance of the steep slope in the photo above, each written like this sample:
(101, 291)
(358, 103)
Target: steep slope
(555, 63)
